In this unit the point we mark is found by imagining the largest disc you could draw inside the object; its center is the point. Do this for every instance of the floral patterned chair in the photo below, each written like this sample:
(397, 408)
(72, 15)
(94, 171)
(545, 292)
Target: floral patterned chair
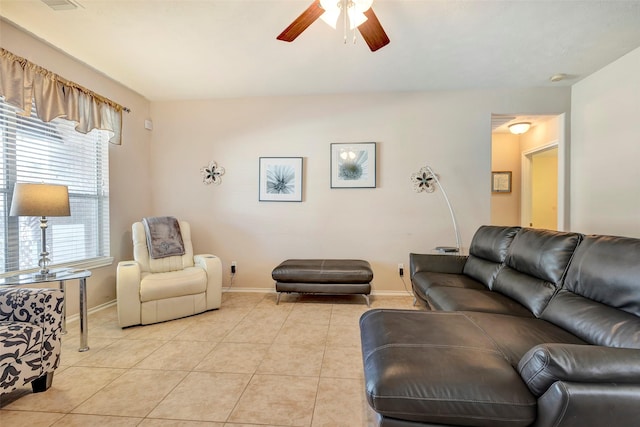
(30, 337)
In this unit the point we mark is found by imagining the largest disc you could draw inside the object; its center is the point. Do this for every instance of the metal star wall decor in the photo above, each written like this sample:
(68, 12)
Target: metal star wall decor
(212, 173)
(423, 180)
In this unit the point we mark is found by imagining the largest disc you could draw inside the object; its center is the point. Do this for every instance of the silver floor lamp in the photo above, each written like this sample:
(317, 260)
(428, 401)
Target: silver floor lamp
(425, 180)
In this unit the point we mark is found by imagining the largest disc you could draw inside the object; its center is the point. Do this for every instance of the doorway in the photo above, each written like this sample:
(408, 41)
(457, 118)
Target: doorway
(540, 188)
(537, 161)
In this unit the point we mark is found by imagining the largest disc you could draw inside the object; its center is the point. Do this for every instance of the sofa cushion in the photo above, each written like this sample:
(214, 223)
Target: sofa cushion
(423, 281)
(599, 302)
(459, 299)
(438, 367)
(190, 281)
(515, 335)
(487, 252)
(535, 265)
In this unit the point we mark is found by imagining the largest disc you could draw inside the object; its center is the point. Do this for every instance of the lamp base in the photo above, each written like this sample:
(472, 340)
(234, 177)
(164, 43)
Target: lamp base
(44, 276)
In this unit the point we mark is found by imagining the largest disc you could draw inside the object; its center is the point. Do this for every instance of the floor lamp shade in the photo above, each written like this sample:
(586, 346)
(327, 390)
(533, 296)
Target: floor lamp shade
(41, 200)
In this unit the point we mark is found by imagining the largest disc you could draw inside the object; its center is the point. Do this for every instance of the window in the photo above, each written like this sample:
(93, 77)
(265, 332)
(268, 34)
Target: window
(55, 153)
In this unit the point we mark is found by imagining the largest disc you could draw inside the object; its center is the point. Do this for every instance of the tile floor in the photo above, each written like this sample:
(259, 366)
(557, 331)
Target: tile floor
(250, 363)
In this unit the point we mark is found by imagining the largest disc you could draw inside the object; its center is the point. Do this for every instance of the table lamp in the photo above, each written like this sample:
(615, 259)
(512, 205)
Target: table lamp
(41, 200)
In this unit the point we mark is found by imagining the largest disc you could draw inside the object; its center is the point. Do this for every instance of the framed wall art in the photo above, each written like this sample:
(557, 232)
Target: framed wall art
(353, 165)
(280, 179)
(501, 182)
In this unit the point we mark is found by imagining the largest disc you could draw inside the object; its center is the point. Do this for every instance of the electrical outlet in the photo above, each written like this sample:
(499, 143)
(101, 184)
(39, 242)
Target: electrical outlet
(401, 269)
(234, 266)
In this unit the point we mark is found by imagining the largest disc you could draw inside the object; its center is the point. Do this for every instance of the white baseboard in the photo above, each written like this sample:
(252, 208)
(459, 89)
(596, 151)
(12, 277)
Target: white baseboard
(76, 317)
(272, 290)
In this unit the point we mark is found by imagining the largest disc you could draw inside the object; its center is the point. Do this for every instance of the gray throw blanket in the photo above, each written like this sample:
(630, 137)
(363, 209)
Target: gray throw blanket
(163, 236)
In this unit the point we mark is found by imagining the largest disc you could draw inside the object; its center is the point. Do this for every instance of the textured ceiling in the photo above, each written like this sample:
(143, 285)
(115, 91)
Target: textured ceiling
(167, 50)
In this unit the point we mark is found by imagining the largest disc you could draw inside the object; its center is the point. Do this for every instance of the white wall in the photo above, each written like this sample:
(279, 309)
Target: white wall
(605, 150)
(129, 163)
(450, 131)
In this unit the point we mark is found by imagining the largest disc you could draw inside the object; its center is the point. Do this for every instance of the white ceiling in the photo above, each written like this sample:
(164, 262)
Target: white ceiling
(188, 49)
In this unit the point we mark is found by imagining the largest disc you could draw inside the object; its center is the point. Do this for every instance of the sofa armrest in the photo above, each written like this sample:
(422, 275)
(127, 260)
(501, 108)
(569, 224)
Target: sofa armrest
(213, 267)
(546, 364)
(436, 263)
(41, 307)
(572, 404)
(128, 277)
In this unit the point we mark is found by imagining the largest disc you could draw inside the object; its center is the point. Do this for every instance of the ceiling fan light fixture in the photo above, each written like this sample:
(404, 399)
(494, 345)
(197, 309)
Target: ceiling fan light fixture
(519, 128)
(356, 18)
(331, 12)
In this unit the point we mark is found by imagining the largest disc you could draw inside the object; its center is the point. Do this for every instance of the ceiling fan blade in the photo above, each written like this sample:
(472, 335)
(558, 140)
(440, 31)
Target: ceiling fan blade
(301, 23)
(372, 32)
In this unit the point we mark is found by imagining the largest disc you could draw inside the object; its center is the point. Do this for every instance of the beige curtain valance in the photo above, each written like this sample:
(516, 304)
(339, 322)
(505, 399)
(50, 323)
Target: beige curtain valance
(22, 81)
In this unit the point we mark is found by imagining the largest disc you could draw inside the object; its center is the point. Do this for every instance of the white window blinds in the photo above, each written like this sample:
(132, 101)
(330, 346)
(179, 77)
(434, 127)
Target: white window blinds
(54, 153)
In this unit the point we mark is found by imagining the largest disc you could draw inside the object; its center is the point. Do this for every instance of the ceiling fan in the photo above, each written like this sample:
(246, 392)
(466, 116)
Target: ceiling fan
(358, 12)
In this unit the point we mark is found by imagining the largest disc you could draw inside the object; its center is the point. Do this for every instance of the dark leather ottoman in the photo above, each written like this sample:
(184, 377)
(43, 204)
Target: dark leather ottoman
(324, 276)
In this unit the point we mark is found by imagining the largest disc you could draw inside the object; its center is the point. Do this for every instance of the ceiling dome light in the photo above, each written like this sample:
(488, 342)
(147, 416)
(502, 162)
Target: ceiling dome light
(519, 128)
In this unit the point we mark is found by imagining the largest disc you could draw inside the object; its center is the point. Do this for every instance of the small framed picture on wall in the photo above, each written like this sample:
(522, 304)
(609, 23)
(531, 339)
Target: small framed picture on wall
(280, 179)
(501, 182)
(353, 165)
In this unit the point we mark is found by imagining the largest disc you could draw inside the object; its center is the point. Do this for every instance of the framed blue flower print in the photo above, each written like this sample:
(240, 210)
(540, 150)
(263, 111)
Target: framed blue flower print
(280, 179)
(353, 165)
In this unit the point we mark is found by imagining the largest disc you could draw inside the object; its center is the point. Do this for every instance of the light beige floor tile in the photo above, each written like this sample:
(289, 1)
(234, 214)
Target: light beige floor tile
(122, 353)
(292, 360)
(69, 389)
(310, 313)
(294, 346)
(340, 403)
(177, 355)
(134, 394)
(241, 358)
(275, 399)
(203, 396)
(342, 362)
(348, 313)
(212, 331)
(150, 422)
(70, 354)
(224, 314)
(161, 331)
(31, 419)
(241, 299)
(400, 302)
(8, 398)
(293, 333)
(250, 425)
(344, 335)
(248, 331)
(275, 314)
(109, 329)
(106, 314)
(79, 420)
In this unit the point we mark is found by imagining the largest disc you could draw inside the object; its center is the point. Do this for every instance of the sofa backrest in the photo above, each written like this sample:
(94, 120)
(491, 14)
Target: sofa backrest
(487, 252)
(600, 300)
(535, 266)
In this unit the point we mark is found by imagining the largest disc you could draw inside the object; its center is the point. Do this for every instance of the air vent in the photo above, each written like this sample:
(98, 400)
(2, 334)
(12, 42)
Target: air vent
(60, 4)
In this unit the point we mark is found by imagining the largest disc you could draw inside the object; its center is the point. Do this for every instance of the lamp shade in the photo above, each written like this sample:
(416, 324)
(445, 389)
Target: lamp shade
(40, 200)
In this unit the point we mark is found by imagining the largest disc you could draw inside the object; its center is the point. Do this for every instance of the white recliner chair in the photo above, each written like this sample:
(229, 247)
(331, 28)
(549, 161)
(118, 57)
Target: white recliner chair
(154, 290)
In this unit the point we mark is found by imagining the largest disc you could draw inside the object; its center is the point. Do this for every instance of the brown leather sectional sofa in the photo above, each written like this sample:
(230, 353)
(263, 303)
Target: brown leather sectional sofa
(533, 328)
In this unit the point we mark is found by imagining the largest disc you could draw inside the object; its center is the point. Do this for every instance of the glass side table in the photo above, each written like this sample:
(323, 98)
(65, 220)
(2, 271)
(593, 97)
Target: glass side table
(61, 276)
